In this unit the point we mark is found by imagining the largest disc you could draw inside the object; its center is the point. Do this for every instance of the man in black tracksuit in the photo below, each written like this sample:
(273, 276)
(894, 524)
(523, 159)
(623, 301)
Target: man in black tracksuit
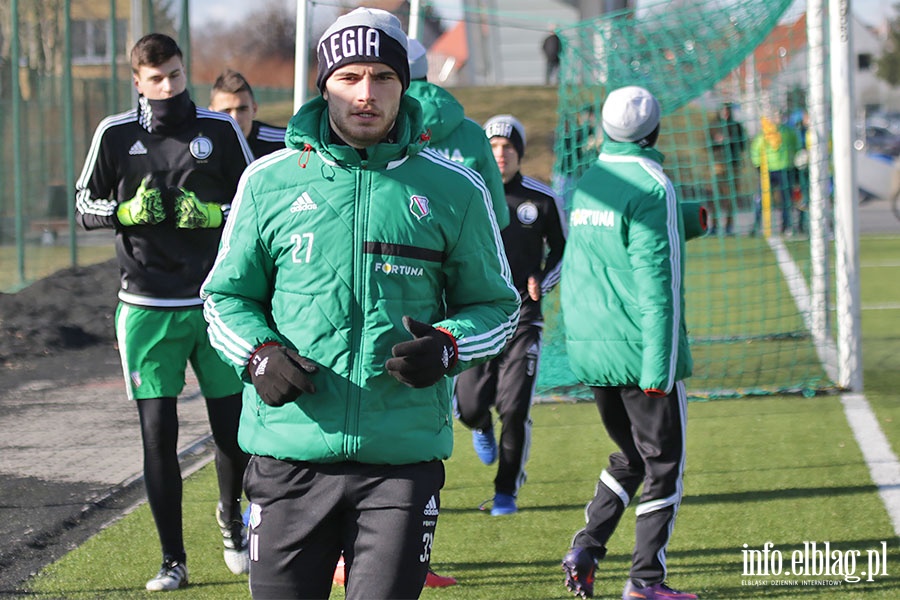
(232, 94)
(507, 382)
(163, 177)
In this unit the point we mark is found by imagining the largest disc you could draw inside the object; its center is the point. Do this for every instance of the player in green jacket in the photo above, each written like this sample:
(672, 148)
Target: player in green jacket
(452, 133)
(622, 297)
(358, 270)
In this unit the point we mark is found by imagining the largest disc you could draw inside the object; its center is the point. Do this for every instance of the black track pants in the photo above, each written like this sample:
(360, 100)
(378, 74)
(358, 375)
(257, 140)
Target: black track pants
(304, 515)
(650, 434)
(507, 382)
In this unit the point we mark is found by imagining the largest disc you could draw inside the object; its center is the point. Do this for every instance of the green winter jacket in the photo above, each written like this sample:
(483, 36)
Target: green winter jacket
(622, 293)
(461, 139)
(777, 145)
(325, 252)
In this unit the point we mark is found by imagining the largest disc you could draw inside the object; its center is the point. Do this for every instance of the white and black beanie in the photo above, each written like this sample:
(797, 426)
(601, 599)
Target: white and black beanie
(363, 35)
(509, 127)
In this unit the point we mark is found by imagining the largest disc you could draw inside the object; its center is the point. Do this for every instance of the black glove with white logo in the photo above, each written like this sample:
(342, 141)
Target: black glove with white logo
(280, 375)
(422, 361)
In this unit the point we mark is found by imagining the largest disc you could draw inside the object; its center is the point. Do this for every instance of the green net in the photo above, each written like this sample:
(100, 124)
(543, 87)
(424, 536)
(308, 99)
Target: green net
(748, 279)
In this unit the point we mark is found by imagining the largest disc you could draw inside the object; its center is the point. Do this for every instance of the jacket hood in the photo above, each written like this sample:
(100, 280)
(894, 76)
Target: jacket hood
(442, 112)
(309, 129)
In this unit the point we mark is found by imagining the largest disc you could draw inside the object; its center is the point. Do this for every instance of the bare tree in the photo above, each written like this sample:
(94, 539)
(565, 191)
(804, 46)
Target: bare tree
(260, 46)
(270, 32)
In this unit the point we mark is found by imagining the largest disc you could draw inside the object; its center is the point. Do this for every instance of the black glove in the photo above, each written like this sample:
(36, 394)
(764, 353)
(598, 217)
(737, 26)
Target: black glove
(280, 375)
(422, 361)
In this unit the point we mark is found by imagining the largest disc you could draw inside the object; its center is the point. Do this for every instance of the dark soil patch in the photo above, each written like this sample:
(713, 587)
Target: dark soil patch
(60, 326)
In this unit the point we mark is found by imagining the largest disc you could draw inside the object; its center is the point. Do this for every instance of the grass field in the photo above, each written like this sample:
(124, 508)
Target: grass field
(779, 469)
(41, 261)
(754, 476)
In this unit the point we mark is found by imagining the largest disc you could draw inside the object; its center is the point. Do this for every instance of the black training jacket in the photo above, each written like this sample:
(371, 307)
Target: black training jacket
(193, 148)
(534, 240)
(265, 139)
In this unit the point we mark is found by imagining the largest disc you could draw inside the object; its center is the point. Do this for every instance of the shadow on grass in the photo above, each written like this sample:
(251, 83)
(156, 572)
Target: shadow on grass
(783, 494)
(135, 591)
(736, 497)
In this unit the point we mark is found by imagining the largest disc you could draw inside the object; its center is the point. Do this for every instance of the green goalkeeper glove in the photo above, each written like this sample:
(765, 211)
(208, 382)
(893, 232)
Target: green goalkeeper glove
(145, 208)
(191, 213)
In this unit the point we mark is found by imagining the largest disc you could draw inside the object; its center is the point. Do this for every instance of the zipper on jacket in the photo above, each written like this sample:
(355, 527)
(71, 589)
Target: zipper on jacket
(351, 440)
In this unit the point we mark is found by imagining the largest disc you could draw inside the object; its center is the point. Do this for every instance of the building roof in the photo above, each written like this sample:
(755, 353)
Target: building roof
(452, 44)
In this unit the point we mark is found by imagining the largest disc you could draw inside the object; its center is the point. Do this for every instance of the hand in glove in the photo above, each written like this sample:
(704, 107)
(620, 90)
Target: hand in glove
(145, 208)
(696, 219)
(280, 375)
(422, 361)
(191, 213)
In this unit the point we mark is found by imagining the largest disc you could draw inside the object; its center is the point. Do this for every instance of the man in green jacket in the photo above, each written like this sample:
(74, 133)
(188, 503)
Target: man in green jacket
(622, 299)
(357, 272)
(773, 151)
(453, 134)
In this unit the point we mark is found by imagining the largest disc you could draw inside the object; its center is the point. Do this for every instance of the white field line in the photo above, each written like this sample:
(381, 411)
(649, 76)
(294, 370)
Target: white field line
(880, 458)
(825, 347)
(884, 467)
(880, 264)
(882, 306)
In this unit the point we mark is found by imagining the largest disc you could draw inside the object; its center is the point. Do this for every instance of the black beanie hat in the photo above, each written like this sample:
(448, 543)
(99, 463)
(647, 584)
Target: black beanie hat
(509, 127)
(363, 35)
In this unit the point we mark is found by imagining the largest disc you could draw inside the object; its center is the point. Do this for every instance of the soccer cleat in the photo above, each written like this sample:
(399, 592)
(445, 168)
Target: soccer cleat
(580, 565)
(504, 504)
(485, 445)
(172, 575)
(657, 591)
(234, 537)
(433, 580)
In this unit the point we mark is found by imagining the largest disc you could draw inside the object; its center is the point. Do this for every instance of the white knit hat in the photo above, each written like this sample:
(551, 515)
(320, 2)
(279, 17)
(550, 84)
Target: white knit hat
(630, 114)
(418, 60)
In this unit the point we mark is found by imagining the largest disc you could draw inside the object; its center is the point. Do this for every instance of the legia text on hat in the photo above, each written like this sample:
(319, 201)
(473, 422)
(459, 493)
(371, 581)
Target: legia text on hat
(350, 43)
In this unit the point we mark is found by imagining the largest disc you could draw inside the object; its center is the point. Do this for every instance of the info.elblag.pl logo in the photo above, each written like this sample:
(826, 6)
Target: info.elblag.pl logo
(815, 563)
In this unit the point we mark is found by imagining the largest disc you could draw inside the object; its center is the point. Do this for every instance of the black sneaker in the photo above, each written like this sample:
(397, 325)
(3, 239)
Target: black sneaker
(657, 591)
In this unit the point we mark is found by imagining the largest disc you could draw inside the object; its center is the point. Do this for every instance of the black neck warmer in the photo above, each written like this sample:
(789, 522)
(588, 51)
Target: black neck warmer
(165, 116)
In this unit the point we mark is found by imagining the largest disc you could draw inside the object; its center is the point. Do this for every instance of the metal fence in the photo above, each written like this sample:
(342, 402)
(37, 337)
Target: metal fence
(37, 229)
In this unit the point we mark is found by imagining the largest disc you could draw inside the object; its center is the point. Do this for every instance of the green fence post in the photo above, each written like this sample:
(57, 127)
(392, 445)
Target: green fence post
(184, 41)
(68, 127)
(113, 53)
(17, 140)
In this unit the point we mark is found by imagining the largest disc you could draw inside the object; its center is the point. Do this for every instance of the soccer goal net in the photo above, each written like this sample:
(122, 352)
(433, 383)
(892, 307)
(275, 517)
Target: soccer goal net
(733, 80)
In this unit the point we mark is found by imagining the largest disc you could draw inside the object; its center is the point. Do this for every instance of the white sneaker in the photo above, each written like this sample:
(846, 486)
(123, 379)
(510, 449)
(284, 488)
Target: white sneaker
(234, 537)
(172, 575)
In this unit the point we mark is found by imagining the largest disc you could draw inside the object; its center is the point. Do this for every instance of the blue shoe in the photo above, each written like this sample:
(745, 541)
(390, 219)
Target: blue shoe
(580, 566)
(504, 504)
(485, 445)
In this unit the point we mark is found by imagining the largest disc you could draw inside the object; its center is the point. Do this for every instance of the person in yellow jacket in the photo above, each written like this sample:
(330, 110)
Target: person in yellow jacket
(773, 150)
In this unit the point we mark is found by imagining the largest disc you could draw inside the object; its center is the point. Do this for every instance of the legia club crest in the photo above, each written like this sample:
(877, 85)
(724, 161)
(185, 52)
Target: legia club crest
(418, 206)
